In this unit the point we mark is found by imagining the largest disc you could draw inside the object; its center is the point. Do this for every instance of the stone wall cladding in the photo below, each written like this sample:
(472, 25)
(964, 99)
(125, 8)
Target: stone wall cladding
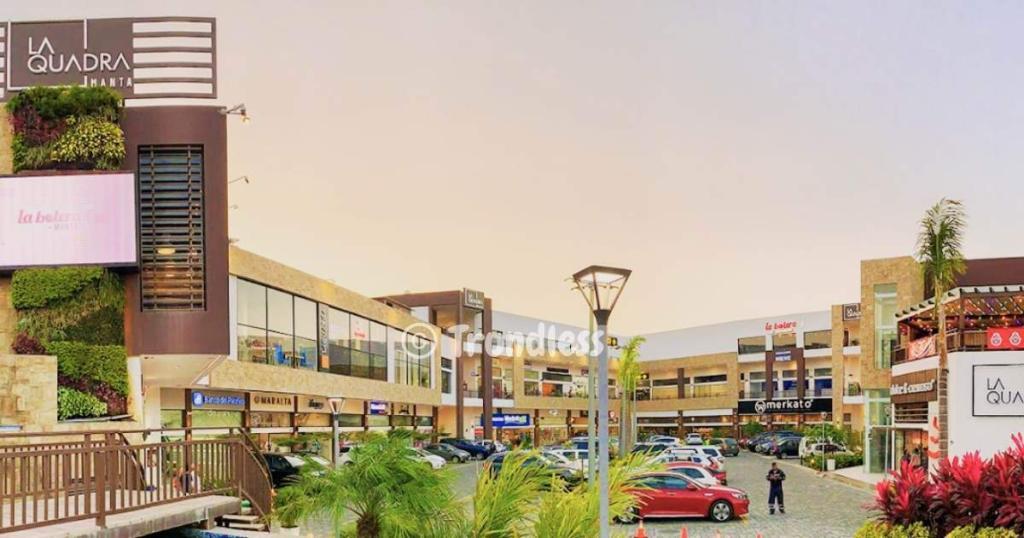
(8, 316)
(6, 135)
(906, 274)
(28, 391)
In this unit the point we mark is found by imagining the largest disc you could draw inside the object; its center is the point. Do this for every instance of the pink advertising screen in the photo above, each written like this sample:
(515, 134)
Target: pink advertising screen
(67, 220)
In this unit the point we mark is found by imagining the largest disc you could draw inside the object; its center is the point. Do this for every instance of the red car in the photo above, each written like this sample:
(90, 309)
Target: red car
(717, 474)
(669, 494)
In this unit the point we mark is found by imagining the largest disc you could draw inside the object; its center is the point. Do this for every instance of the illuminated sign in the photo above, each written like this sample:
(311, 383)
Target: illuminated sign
(68, 220)
(510, 420)
(780, 327)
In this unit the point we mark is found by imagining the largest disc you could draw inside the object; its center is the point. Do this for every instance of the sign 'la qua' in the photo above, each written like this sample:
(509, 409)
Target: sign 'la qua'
(43, 59)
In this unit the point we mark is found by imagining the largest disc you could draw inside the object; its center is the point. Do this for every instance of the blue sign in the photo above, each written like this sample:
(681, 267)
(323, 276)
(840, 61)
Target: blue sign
(513, 420)
(378, 408)
(200, 399)
(783, 356)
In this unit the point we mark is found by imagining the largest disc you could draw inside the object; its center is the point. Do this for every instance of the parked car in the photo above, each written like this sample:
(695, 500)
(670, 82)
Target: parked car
(493, 446)
(699, 472)
(572, 457)
(786, 448)
(669, 494)
(666, 439)
(418, 454)
(448, 452)
(571, 477)
(811, 445)
(652, 449)
(477, 451)
(727, 445)
(283, 467)
(694, 439)
(714, 453)
(756, 440)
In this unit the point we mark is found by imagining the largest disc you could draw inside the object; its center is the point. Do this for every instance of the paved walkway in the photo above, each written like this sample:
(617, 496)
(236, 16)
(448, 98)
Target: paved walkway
(815, 507)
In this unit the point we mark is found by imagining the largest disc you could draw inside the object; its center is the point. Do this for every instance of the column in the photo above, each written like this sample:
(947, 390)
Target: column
(536, 428)
(681, 383)
(487, 373)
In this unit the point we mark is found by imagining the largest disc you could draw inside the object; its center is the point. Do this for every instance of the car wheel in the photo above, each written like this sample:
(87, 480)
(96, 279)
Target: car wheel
(721, 511)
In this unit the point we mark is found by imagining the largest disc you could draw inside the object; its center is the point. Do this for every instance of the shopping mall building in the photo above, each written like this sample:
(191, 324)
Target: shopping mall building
(218, 336)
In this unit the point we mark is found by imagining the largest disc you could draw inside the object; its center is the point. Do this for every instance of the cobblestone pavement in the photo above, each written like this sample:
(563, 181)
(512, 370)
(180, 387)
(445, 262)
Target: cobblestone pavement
(815, 507)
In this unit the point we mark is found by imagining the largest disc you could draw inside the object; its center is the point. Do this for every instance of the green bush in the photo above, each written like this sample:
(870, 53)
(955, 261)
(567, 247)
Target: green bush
(55, 102)
(843, 460)
(876, 529)
(76, 404)
(984, 532)
(91, 142)
(36, 288)
(102, 364)
(94, 314)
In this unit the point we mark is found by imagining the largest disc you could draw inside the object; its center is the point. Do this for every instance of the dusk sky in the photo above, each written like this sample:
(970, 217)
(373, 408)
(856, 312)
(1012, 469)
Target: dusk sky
(740, 157)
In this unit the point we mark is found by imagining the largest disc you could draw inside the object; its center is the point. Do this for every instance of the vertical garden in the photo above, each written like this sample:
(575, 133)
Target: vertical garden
(74, 313)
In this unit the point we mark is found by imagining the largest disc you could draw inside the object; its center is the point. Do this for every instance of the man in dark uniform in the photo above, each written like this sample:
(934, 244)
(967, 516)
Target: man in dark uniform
(775, 478)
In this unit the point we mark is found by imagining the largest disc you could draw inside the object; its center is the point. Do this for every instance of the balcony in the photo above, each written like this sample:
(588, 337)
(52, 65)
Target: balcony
(753, 395)
(925, 347)
(706, 391)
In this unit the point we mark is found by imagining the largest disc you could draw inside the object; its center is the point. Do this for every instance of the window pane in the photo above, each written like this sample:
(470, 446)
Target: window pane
(305, 318)
(784, 341)
(341, 360)
(281, 348)
(751, 344)
(360, 334)
(378, 339)
(337, 328)
(379, 367)
(279, 311)
(252, 304)
(425, 372)
(305, 353)
(252, 344)
(360, 364)
(817, 339)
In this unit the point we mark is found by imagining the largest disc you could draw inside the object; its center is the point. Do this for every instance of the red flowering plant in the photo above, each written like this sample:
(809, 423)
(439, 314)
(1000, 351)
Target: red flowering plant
(958, 493)
(1005, 481)
(26, 345)
(903, 498)
(35, 129)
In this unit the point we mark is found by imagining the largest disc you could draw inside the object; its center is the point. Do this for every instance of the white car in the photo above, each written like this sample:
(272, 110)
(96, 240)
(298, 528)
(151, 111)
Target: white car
(694, 439)
(666, 439)
(698, 474)
(436, 462)
(572, 457)
(714, 453)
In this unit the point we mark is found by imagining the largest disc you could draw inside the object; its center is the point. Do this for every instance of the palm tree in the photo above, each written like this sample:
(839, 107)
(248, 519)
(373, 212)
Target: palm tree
(939, 251)
(383, 490)
(629, 374)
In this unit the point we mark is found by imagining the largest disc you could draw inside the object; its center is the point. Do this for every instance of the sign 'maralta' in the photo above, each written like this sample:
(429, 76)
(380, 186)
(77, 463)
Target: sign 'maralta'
(155, 57)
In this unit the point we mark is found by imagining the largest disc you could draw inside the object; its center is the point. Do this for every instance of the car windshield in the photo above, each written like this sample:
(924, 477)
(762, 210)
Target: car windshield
(295, 461)
(319, 459)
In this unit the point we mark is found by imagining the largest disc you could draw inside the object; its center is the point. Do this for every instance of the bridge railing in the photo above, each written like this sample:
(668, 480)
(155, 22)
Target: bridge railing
(98, 474)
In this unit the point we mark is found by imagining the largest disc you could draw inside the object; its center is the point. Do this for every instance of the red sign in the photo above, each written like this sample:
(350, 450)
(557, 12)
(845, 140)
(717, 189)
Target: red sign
(780, 327)
(1005, 338)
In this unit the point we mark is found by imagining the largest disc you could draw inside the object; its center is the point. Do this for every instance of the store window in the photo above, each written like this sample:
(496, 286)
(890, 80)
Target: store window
(783, 341)
(413, 360)
(306, 351)
(751, 344)
(818, 339)
(885, 324)
(338, 344)
(531, 382)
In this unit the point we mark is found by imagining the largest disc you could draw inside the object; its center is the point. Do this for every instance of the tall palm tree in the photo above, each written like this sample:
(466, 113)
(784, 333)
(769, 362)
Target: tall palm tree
(383, 492)
(629, 375)
(940, 253)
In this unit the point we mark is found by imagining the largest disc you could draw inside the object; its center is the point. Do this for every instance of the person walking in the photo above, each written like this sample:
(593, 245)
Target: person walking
(775, 478)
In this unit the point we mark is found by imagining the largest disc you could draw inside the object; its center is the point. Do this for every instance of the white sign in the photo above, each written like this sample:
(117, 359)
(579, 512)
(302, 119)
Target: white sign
(67, 220)
(999, 390)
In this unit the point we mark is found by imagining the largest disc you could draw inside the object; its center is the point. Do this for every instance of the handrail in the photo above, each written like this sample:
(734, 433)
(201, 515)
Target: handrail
(103, 473)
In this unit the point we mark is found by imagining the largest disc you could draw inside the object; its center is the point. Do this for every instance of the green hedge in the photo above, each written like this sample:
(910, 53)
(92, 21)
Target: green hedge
(984, 532)
(76, 404)
(94, 315)
(842, 460)
(54, 102)
(37, 288)
(876, 529)
(102, 364)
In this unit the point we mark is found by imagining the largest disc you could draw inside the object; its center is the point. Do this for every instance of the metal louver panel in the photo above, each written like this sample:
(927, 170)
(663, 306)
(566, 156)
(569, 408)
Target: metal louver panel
(171, 228)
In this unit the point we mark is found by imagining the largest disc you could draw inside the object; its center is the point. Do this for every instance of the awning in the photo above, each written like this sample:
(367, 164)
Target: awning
(955, 294)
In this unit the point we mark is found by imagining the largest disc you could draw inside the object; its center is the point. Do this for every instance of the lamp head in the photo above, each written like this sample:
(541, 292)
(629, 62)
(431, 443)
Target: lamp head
(601, 287)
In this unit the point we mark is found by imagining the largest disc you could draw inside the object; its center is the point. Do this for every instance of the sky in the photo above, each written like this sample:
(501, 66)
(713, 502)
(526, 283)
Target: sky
(739, 157)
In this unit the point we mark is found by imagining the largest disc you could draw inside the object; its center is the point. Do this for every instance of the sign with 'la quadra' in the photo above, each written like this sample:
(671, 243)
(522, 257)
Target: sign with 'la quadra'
(176, 55)
(999, 390)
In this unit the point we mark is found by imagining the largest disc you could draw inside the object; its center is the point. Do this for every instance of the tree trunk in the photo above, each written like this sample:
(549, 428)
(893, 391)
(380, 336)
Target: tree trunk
(941, 389)
(623, 446)
(368, 527)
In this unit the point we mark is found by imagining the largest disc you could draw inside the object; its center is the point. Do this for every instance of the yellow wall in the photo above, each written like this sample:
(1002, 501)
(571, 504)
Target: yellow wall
(6, 166)
(906, 274)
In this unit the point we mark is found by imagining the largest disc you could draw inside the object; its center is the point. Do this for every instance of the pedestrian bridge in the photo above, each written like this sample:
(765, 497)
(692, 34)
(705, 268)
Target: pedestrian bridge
(115, 484)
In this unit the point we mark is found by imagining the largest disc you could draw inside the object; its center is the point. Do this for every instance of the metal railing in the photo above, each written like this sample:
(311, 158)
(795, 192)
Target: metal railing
(98, 474)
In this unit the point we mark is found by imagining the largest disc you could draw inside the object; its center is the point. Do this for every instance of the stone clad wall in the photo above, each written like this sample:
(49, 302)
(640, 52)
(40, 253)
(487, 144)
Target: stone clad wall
(6, 133)
(28, 391)
(8, 316)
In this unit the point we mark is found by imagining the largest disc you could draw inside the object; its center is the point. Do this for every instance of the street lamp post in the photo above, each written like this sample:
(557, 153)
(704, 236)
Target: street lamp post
(601, 287)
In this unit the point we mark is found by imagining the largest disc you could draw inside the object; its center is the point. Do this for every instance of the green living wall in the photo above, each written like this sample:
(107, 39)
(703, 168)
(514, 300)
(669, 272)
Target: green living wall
(76, 314)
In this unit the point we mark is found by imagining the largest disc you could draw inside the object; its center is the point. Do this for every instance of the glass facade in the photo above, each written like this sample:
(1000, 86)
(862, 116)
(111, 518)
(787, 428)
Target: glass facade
(750, 344)
(278, 328)
(818, 339)
(885, 324)
(876, 431)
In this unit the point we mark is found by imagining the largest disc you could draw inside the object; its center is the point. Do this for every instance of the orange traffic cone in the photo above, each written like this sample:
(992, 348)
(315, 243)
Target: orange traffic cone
(683, 533)
(640, 531)
(758, 535)
(718, 534)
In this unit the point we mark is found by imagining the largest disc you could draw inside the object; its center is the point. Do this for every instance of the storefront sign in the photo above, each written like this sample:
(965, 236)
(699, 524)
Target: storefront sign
(313, 404)
(795, 406)
(1005, 338)
(68, 220)
(323, 330)
(218, 400)
(510, 420)
(998, 390)
(783, 356)
(473, 299)
(921, 348)
(851, 311)
(101, 52)
(915, 387)
(378, 408)
(780, 327)
(271, 401)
